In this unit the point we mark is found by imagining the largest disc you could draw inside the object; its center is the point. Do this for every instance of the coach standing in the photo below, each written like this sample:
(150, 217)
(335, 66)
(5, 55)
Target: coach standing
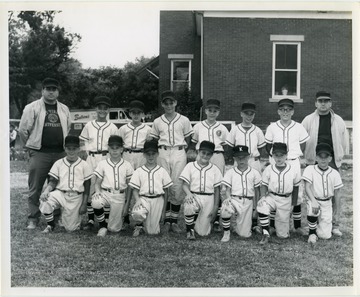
(324, 126)
(43, 127)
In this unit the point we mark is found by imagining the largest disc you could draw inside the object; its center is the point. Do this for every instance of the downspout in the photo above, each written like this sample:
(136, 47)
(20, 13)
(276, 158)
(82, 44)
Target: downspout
(202, 63)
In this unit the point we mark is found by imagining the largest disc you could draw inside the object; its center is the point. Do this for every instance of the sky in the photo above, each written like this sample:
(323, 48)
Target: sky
(112, 35)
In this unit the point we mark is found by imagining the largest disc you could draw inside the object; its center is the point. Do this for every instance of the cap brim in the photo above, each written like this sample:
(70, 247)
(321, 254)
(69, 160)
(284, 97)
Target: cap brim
(136, 109)
(213, 106)
(166, 98)
(241, 155)
(279, 151)
(248, 109)
(206, 149)
(324, 152)
(151, 150)
(55, 86)
(102, 102)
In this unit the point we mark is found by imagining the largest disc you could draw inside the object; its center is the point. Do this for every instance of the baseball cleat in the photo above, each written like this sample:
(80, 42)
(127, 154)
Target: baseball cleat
(47, 230)
(272, 230)
(191, 235)
(102, 232)
(265, 239)
(226, 236)
(312, 239)
(336, 232)
(217, 227)
(175, 228)
(89, 225)
(257, 229)
(137, 231)
(167, 227)
(31, 226)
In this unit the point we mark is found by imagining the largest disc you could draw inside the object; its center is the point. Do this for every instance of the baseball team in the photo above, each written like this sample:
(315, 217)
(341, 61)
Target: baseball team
(141, 172)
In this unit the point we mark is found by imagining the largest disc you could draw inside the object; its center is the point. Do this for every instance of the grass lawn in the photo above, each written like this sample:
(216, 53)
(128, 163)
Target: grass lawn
(81, 259)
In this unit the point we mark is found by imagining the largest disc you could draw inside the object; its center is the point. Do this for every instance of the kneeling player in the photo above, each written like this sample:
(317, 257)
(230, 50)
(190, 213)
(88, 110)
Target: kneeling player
(242, 192)
(150, 184)
(68, 188)
(279, 192)
(201, 183)
(322, 184)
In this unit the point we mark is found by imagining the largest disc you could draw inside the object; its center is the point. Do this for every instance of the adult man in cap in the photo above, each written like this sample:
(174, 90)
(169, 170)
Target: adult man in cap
(43, 127)
(324, 126)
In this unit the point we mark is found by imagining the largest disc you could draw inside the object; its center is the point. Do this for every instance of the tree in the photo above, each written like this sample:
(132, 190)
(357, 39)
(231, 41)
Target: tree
(37, 48)
(188, 104)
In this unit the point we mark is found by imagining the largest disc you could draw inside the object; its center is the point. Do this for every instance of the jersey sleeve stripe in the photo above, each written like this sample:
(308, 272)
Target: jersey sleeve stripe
(88, 177)
(338, 186)
(298, 183)
(134, 186)
(229, 143)
(168, 185)
(54, 175)
(98, 174)
(217, 184)
(226, 183)
(307, 179)
(154, 135)
(257, 185)
(189, 133)
(305, 139)
(261, 144)
(184, 179)
(83, 138)
(264, 183)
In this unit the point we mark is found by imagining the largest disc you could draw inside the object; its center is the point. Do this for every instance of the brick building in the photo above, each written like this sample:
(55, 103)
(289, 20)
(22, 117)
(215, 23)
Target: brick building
(238, 56)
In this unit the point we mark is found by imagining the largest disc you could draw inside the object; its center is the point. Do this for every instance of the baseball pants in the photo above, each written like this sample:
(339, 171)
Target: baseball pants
(173, 160)
(243, 207)
(39, 166)
(69, 202)
(282, 206)
(324, 222)
(135, 159)
(149, 213)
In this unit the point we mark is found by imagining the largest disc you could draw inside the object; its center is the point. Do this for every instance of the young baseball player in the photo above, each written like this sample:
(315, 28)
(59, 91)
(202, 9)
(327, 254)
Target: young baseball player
(215, 132)
(150, 183)
(295, 136)
(279, 192)
(134, 135)
(94, 144)
(322, 184)
(173, 131)
(68, 188)
(242, 193)
(201, 183)
(112, 177)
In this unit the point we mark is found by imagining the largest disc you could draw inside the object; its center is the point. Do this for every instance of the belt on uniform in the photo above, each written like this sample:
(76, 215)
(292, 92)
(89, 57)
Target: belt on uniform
(280, 195)
(241, 197)
(202, 193)
(218, 152)
(133, 151)
(164, 147)
(104, 153)
(114, 191)
(152, 196)
(324, 199)
(70, 192)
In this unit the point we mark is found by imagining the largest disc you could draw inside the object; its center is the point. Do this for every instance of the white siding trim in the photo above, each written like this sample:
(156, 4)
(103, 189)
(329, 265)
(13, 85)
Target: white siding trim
(287, 37)
(280, 14)
(180, 56)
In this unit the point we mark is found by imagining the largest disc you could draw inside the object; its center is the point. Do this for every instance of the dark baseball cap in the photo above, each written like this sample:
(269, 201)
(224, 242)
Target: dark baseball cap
(168, 95)
(151, 146)
(136, 105)
(248, 106)
(240, 151)
(287, 102)
(323, 95)
(50, 82)
(279, 147)
(72, 140)
(324, 148)
(115, 140)
(102, 100)
(207, 146)
(212, 103)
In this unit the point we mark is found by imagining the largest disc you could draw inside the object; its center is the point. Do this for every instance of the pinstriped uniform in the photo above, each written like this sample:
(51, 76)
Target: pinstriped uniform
(172, 134)
(241, 183)
(217, 134)
(201, 180)
(150, 182)
(323, 186)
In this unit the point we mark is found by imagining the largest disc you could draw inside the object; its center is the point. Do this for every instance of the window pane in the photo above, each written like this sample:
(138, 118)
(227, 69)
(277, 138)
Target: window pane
(180, 86)
(113, 115)
(287, 79)
(181, 71)
(286, 56)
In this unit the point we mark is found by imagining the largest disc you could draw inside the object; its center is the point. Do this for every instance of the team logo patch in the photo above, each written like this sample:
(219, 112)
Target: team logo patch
(53, 118)
(218, 133)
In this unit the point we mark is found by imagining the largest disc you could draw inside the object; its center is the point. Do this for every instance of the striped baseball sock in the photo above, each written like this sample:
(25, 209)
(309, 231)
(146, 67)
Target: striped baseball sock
(226, 223)
(297, 216)
(272, 218)
(175, 209)
(264, 222)
(107, 213)
(100, 217)
(168, 213)
(189, 222)
(49, 217)
(90, 212)
(312, 222)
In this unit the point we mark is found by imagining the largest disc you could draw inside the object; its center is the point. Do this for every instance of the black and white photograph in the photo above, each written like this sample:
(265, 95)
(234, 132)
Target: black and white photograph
(179, 148)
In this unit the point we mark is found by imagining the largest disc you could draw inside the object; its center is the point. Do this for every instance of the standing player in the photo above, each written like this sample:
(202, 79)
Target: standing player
(295, 136)
(150, 184)
(201, 183)
(94, 137)
(68, 188)
(173, 131)
(279, 192)
(322, 185)
(215, 132)
(242, 193)
(111, 187)
(134, 135)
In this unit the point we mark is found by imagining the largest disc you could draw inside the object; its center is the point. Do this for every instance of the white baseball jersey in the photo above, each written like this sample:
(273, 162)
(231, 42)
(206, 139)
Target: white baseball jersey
(293, 135)
(71, 176)
(253, 138)
(280, 182)
(201, 179)
(323, 183)
(216, 133)
(113, 175)
(134, 137)
(96, 135)
(171, 133)
(150, 182)
(242, 183)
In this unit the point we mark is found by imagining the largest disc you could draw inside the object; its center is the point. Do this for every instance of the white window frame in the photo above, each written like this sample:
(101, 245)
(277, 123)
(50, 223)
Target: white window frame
(180, 58)
(287, 40)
